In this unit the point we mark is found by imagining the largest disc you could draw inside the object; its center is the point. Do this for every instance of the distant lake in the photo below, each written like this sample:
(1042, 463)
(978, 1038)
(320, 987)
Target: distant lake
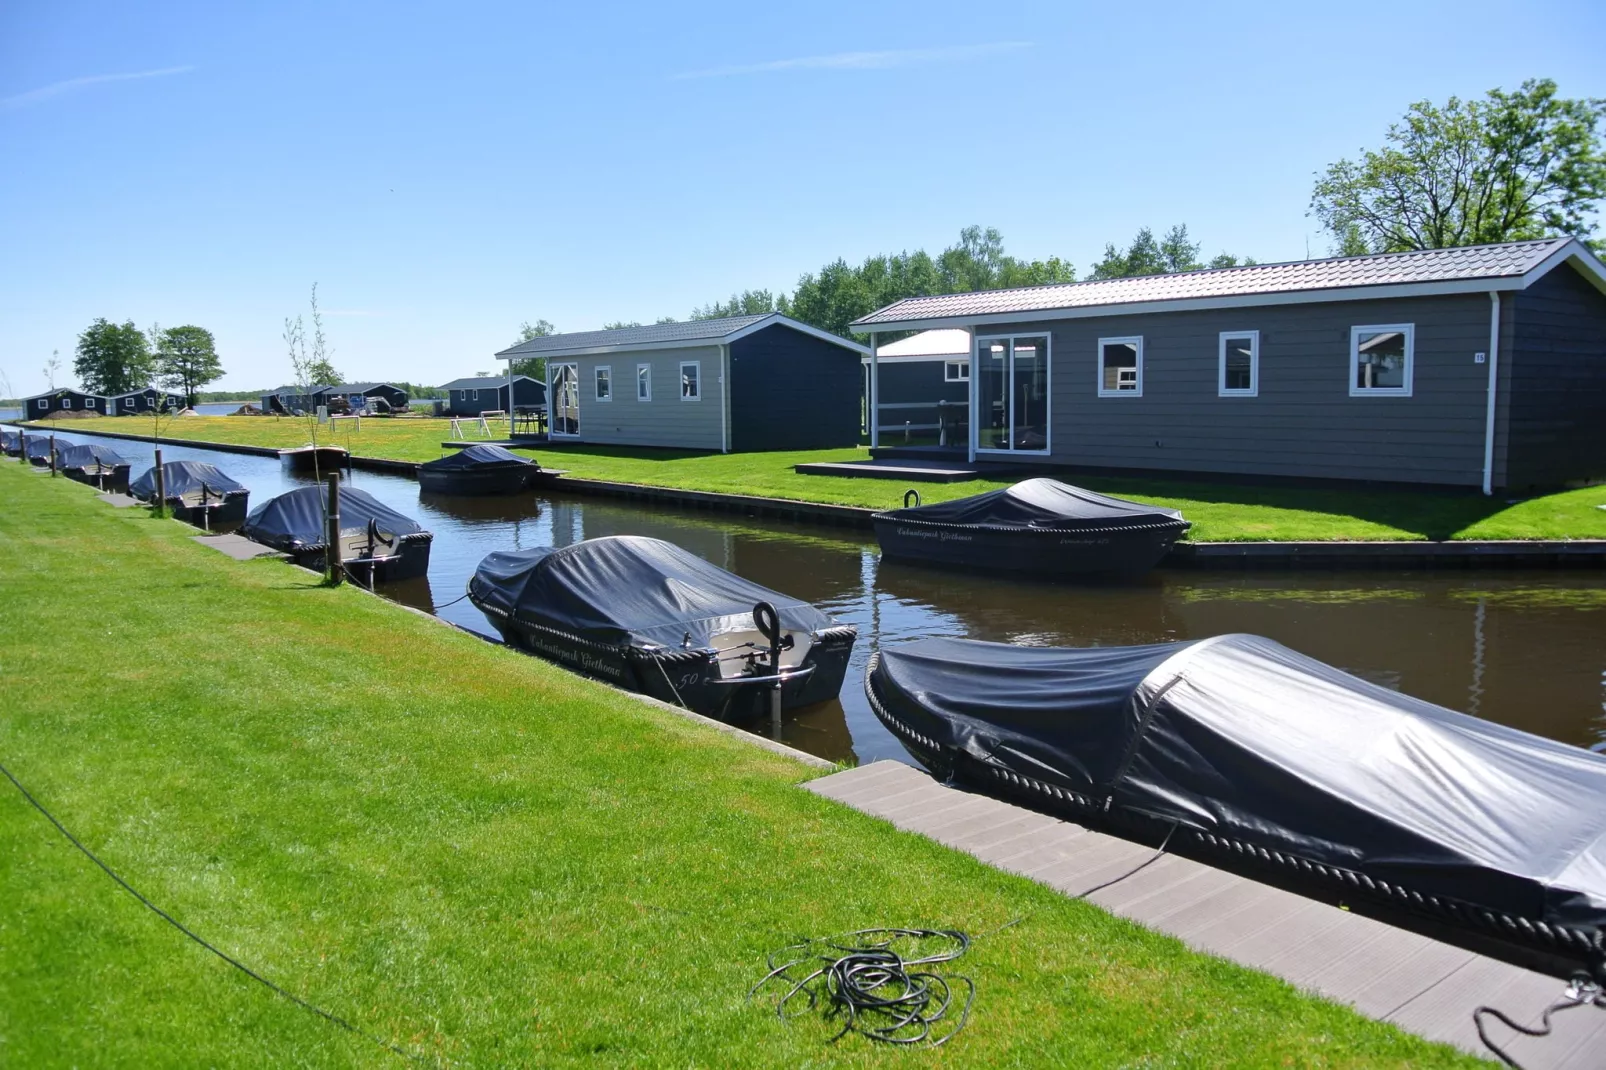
(205, 408)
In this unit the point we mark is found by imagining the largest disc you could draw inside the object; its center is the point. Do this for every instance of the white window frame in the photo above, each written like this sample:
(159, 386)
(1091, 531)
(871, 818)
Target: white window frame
(647, 396)
(66, 403)
(697, 364)
(43, 403)
(596, 382)
(948, 367)
(1135, 340)
(89, 403)
(975, 391)
(1254, 365)
(129, 402)
(1407, 329)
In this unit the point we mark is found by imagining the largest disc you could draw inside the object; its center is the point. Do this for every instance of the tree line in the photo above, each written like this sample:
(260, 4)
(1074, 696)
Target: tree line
(117, 358)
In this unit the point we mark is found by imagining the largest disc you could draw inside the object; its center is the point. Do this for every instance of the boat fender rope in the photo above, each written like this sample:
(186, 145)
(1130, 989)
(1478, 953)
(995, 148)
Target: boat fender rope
(1580, 992)
(225, 956)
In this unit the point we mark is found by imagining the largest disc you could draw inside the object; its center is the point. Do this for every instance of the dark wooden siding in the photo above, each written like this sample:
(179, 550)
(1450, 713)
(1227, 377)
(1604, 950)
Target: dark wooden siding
(792, 391)
(1555, 392)
(918, 381)
(1303, 423)
(55, 403)
(527, 391)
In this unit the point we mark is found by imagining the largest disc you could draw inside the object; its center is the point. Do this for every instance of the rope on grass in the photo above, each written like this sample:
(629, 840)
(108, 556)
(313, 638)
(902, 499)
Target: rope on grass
(225, 956)
(1581, 992)
(878, 982)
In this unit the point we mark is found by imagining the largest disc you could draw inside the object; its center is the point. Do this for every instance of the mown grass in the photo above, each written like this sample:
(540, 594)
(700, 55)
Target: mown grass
(475, 855)
(1220, 512)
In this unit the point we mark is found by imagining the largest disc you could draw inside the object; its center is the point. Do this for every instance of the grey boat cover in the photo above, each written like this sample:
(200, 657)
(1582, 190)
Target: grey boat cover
(472, 458)
(1243, 738)
(39, 446)
(91, 453)
(10, 440)
(295, 520)
(1041, 503)
(185, 477)
(628, 589)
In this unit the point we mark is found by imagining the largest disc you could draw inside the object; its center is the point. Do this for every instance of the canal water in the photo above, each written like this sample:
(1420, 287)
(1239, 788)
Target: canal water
(1523, 648)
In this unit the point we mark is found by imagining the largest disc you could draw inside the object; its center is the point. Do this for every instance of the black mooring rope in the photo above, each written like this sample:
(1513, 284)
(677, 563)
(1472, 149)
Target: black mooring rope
(225, 956)
(1581, 992)
(874, 988)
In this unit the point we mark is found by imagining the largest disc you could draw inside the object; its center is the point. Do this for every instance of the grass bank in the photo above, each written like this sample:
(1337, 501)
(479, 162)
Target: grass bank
(474, 855)
(1221, 512)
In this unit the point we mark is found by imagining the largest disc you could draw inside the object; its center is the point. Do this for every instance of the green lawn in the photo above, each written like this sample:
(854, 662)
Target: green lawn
(1221, 512)
(475, 855)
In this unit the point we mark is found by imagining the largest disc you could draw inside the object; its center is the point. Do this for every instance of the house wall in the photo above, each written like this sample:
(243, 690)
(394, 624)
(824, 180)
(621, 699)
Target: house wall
(526, 391)
(908, 381)
(1303, 423)
(1554, 388)
(143, 403)
(56, 403)
(792, 391)
(666, 420)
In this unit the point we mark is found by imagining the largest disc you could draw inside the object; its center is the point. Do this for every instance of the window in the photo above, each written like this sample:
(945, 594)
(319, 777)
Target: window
(644, 382)
(604, 383)
(89, 403)
(691, 380)
(956, 371)
(66, 403)
(1380, 360)
(1121, 367)
(42, 403)
(128, 403)
(1239, 368)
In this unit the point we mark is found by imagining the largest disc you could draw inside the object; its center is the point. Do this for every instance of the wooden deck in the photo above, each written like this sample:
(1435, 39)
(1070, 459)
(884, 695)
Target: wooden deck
(1419, 984)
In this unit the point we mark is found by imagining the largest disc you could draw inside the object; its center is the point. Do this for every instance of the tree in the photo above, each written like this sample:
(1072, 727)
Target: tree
(534, 367)
(113, 358)
(52, 366)
(746, 303)
(186, 360)
(619, 325)
(1146, 256)
(1511, 166)
(310, 369)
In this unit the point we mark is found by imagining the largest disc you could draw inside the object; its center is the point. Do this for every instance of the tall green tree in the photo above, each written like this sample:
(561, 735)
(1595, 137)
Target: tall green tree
(113, 358)
(186, 360)
(534, 367)
(746, 303)
(1176, 251)
(1524, 164)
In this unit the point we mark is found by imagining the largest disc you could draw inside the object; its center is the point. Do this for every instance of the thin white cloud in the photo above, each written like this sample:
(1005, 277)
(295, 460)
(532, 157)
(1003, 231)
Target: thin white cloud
(860, 61)
(71, 85)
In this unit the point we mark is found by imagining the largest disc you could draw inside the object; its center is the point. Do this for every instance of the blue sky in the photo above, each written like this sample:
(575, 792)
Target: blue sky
(445, 172)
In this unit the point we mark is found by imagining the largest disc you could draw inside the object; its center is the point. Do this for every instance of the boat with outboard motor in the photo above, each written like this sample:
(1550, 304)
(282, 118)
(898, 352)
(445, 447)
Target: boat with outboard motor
(310, 458)
(93, 463)
(377, 544)
(481, 469)
(1038, 526)
(1248, 755)
(652, 617)
(197, 493)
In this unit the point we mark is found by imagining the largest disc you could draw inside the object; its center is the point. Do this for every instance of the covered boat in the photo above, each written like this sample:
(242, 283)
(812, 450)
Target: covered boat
(377, 543)
(310, 458)
(93, 463)
(37, 447)
(11, 443)
(196, 492)
(478, 470)
(651, 617)
(1256, 757)
(1038, 526)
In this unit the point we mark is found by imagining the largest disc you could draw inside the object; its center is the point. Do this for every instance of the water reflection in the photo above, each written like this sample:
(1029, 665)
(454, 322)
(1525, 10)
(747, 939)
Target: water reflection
(1527, 649)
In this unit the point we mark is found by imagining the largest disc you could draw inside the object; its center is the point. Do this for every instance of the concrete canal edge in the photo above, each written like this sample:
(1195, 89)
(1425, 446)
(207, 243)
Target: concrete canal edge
(1513, 553)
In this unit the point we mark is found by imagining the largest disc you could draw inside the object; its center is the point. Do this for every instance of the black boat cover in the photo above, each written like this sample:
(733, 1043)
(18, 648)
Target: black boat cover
(476, 457)
(90, 453)
(295, 520)
(1042, 503)
(631, 589)
(1243, 738)
(39, 446)
(185, 477)
(10, 440)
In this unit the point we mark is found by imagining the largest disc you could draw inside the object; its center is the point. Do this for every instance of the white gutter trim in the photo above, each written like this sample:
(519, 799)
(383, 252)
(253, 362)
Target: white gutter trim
(1134, 308)
(1494, 372)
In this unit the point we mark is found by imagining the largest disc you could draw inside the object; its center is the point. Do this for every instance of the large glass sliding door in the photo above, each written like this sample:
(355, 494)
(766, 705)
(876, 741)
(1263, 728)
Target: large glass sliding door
(563, 388)
(1012, 408)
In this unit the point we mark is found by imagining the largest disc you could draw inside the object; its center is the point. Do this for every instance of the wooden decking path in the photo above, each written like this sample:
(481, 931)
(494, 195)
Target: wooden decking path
(1419, 984)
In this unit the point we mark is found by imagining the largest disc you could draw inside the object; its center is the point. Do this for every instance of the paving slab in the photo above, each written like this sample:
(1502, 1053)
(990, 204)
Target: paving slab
(120, 501)
(236, 546)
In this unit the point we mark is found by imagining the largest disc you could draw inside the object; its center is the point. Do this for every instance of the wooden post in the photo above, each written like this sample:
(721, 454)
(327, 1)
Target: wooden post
(337, 567)
(52, 455)
(161, 485)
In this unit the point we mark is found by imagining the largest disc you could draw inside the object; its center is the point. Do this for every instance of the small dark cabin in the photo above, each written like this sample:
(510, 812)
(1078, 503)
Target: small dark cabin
(42, 405)
(470, 397)
(137, 402)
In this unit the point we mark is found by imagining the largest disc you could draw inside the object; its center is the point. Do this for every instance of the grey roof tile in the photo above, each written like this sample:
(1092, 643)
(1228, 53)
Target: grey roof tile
(1382, 269)
(689, 331)
(489, 382)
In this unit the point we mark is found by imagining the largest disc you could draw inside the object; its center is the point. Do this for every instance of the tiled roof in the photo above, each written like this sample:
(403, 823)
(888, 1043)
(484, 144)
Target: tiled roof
(643, 337)
(492, 382)
(1383, 269)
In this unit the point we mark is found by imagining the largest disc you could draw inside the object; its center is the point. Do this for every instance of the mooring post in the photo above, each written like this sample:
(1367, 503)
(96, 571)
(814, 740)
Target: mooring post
(337, 570)
(52, 455)
(161, 485)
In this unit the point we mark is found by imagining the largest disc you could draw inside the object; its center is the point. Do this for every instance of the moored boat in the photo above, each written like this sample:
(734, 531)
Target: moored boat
(1246, 754)
(11, 443)
(197, 493)
(38, 448)
(377, 544)
(99, 465)
(651, 617)
(1038, 526)
(481, 469)
(310, 458)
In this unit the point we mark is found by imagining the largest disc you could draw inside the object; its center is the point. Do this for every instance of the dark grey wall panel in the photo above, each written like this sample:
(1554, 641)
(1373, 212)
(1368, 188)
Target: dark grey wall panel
(792, 391)
(1303, 423)
(1555, 399)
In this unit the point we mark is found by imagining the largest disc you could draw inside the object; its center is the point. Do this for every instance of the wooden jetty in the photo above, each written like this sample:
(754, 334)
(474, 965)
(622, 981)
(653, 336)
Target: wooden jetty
(1416, 983)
